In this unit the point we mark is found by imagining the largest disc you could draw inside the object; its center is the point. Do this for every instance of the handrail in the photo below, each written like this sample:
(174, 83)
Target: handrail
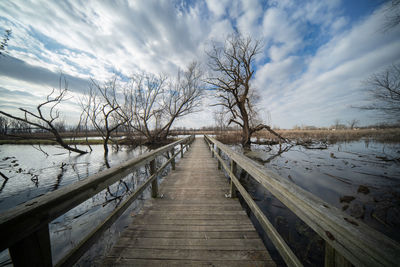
(30, 220)
(346, 238)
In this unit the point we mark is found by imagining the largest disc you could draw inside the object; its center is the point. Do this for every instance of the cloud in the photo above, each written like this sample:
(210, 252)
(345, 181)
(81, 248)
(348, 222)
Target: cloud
(19, 70)
(332, 81)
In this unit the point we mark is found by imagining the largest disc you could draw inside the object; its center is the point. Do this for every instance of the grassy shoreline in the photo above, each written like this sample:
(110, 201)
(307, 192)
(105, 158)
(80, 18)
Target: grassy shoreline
(391, 135)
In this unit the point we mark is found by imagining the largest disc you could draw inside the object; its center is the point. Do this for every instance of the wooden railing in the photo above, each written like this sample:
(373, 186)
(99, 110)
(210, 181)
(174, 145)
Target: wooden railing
(24, 229)
(348, 241)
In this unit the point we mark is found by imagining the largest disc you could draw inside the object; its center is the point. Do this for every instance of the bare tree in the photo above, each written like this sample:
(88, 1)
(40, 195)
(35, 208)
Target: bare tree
(183, 97)
(353, 123)
(220, 119)
(233, 65)
(143, 103)
(336, 124)
(392, 15)
(47, 116)
(153, 103)
(100, 105)
(384, 92)
(4, 125)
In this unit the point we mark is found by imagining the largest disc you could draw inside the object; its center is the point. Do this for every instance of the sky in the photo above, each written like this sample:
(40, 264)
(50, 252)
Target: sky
(316, 54)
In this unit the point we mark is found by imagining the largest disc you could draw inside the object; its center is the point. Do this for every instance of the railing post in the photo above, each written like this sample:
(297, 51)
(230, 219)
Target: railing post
(219, 161)
(154, 184)
(33, 250)
(212, 151)
(173, 158)
(181, 150)
(333, 258)
(233, 187)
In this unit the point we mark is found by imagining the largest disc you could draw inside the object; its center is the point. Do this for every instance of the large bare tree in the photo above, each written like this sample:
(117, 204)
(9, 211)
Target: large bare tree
(47, 116)
(233, 69)
(384, 92)
(153, 103)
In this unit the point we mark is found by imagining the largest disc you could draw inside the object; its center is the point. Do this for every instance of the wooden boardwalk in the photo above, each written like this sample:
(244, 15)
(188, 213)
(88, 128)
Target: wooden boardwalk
(193, 223)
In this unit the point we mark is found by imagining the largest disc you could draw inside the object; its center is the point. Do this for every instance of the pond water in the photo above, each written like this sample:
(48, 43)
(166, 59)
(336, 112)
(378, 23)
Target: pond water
(361, 178)
(32, 173)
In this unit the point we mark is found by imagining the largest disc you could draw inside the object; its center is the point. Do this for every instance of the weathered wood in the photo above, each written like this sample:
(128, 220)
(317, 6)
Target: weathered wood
(192, 235)
(189, 243)
(173, 159)
(329, 255)
(33, 250)
(29, 217)
(219, 161)
(193, 222)
(233, 187)
(158, 221)
(188, 254)
(154, 184)
(348, 236)
(180, 263)
(333, 258)
(181, 150)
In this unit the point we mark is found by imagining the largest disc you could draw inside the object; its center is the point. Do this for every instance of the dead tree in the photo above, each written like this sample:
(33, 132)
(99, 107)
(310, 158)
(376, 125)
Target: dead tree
(153, 103)
(353, 123)
(220, 119)
(384, 93)
(100, 105)
(183, 97)
(392, 15)
(47, 116)
(143, 103)
(233, 69)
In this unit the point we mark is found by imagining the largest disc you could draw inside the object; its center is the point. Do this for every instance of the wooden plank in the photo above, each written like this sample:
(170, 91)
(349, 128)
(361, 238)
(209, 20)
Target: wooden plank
(179, 263)
(186, 216)
(232, 184)
(198, 208)
(199, 234)
(350, 237)
(197, 212)
(164, 221)
(154, 183)
(197, 244)
(186, 228)
(188, 254)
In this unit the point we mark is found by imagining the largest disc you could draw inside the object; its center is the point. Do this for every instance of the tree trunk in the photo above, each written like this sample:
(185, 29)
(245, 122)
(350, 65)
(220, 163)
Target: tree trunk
(105, 145)
(64, 145)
